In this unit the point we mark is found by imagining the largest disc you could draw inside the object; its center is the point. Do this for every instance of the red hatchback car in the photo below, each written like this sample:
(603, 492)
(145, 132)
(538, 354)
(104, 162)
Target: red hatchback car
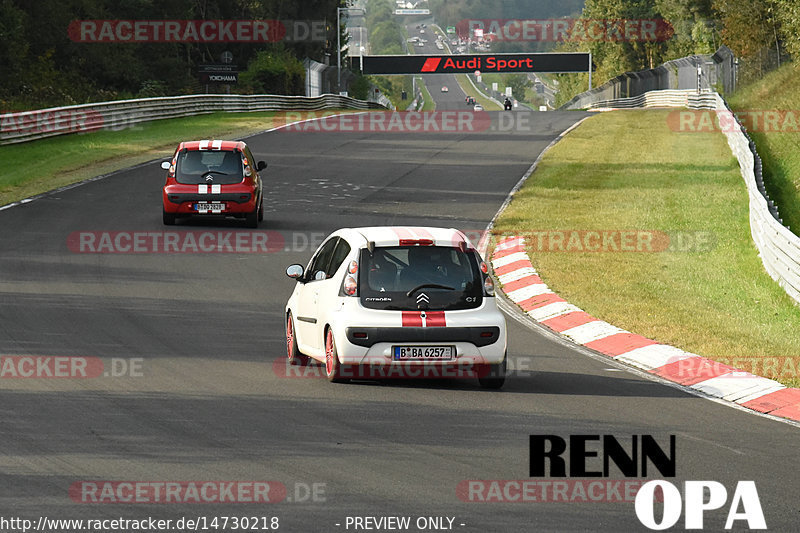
(213, 178)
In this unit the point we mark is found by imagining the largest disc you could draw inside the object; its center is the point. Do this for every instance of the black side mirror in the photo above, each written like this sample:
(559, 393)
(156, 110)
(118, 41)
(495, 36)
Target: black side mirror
(261, 165)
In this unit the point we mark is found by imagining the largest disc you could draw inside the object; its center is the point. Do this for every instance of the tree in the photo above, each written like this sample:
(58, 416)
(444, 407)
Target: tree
(42, 65)
(747, 25)
(518, 84)
(694, 23)
(787, 13)
(274, 72)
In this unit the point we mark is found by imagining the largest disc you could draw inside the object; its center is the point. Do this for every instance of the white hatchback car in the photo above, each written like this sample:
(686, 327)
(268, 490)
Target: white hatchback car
(412, 301)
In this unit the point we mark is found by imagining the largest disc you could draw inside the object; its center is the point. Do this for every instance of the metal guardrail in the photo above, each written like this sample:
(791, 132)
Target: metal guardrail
(663, 98)
(30, 125)
(716, 71)
(778, 247)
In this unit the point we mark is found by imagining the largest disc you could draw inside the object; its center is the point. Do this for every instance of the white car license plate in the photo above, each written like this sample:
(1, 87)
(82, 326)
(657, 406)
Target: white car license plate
(205, 207)
(405, 353)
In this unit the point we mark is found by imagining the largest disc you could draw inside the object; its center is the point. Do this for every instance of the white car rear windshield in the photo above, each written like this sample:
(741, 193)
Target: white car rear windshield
(420, 277)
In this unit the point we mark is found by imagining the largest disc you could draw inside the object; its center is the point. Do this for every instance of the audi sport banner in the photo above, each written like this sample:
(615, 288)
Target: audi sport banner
(467, 63)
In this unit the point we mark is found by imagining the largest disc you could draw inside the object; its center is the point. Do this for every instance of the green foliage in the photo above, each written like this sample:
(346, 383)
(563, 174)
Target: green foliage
(384, 35)
(274, 72)
(387, 37)
(518, 84)
(787, 12)
(747, 26)
(571, 84)
(359, 87)
(393, 87)
(695, 25)
(152, 88)
(777, 145)
(42, 66)
(378, 11)
(450, 12)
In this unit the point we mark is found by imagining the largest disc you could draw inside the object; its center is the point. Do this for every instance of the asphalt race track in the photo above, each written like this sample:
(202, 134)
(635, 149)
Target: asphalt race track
(207, 401)
(454, 98)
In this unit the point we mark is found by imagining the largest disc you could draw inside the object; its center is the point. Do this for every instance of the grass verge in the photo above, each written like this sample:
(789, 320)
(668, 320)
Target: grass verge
(627, 170)
(38, 166)
(778, 145)
(428, 102)
(470, 90)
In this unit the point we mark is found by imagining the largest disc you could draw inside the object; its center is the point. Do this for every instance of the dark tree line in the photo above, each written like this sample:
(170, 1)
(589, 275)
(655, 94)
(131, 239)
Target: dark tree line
(41, 66)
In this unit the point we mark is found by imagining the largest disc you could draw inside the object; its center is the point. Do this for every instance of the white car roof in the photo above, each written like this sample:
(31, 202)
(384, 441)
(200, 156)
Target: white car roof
(410, 235)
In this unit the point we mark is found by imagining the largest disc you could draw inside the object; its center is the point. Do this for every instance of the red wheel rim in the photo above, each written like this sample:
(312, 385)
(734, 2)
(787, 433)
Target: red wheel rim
(289, 337)
(329, 353)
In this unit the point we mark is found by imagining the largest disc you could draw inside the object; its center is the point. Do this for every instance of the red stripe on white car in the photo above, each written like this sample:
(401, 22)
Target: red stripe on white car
(424, 319)
(422, 233)
(403, 234)
(412, 319)
(435, 319)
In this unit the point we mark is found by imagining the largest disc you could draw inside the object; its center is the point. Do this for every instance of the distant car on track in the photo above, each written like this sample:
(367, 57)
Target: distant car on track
(477, 107)
(406, 298)
(471, 100)
(213, 178)
(445, 89)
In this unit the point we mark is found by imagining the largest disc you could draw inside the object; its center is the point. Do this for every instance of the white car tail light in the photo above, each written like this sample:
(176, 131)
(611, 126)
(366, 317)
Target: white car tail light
(350, 284)
(488, 286)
